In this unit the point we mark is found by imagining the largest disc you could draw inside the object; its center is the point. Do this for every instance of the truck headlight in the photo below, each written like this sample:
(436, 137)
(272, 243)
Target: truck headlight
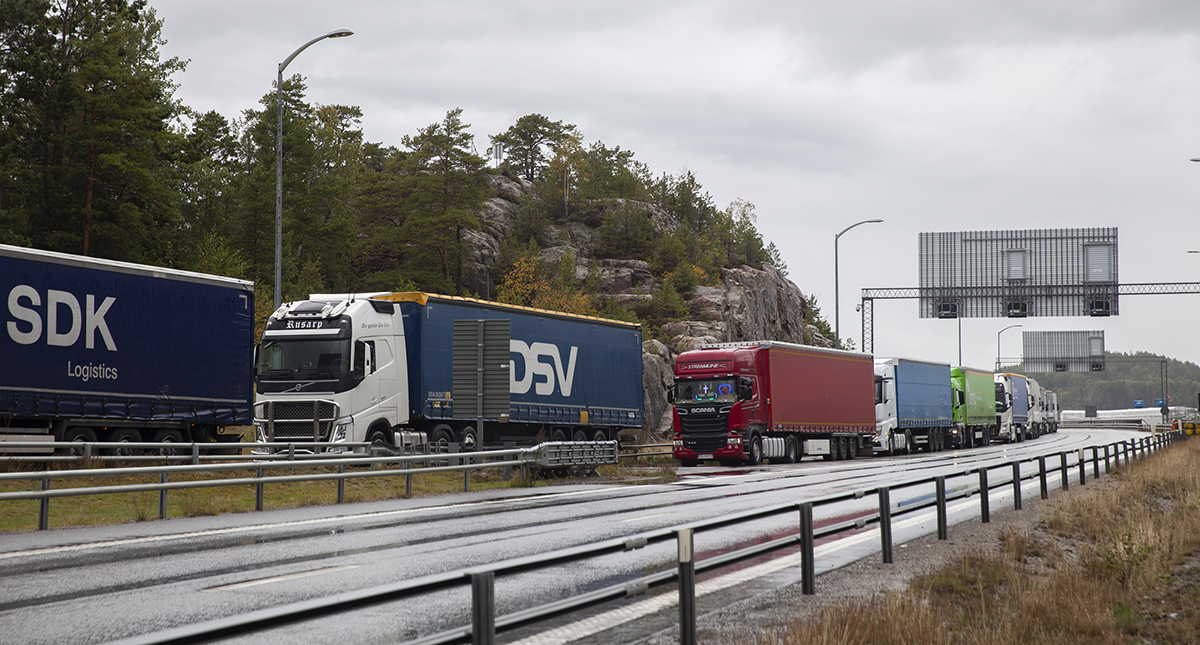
(734, 441)
(339, 431)
(679, 443)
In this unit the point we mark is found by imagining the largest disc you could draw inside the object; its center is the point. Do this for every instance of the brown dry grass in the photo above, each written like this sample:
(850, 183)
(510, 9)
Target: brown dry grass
(1120, 564)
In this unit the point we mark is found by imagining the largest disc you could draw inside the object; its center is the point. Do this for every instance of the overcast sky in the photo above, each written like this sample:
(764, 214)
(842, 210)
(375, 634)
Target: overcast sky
(934, 115)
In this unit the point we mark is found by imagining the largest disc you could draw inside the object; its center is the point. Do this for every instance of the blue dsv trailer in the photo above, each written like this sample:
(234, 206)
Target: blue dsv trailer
(416, 367)
(98, 350)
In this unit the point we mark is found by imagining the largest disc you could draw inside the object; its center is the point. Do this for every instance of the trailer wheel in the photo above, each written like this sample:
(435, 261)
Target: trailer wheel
(558, 435)
(600, 435)
(169, 436)
(851, 447)
(755, 450)
(579, 435)
(791, 450)
(124, 435)
(79, 434)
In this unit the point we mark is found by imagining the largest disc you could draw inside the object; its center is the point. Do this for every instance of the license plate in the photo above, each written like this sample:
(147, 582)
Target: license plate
(705, 457)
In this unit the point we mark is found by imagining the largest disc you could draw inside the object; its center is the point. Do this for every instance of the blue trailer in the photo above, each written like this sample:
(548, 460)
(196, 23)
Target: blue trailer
(416, 367)
(98, 350)
(1012, 407)
(914, 406)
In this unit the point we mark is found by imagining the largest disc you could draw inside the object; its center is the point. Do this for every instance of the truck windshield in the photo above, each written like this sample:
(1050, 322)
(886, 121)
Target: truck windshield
(288, 359)
(717, 390)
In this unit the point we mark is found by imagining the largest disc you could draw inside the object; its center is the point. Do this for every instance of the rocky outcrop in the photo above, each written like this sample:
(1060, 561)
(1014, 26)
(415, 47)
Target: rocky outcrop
(657, 376)
(749, 303)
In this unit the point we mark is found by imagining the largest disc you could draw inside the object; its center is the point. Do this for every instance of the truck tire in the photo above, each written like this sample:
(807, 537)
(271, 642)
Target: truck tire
(689, 463)
(908, 446)
(756, 450)
(379, 441)
(851, 447)
(79, 434)
(469, 440)
(124, 435)
(579, 435)
(170, 435)
(599, 435)
(558, 435)
(442, 437)
(791, 450)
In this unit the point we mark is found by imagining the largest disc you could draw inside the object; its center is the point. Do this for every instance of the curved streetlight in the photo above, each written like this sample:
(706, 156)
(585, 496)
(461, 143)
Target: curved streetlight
(336, 33)
(998, 344)
(837, 326)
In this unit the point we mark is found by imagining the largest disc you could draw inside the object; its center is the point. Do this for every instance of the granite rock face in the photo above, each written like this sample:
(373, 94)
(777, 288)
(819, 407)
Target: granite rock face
(749, 304)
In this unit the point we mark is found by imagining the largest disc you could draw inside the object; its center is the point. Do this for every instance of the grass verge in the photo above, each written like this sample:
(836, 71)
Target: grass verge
(131, 507)
(1117, 564)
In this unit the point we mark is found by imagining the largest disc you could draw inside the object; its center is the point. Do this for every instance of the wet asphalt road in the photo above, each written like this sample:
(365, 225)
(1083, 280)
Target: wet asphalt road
(100, 584)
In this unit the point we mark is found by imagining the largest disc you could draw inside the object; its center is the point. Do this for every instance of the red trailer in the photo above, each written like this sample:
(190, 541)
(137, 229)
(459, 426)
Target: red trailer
(745, 402)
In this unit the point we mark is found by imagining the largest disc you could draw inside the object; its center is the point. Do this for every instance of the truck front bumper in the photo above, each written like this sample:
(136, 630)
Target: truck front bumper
(728, 453)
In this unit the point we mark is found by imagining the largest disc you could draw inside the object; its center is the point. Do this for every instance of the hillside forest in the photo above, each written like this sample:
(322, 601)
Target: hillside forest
(99, 158)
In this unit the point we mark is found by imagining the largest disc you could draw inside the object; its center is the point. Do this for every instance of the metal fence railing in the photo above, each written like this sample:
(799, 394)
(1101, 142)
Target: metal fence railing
(485, 624)
(546, 455)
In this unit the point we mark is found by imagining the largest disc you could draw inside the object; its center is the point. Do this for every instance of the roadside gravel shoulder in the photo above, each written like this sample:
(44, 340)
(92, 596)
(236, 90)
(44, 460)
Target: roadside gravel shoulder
(772, 611)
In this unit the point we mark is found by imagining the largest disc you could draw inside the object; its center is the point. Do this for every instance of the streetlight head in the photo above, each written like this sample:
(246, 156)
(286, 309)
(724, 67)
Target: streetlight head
(874, 221)
(339, 33)
(1195, 158)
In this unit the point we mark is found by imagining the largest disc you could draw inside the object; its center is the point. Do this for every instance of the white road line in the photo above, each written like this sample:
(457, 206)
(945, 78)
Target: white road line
(293, 576)
(608, 620)
(638, 519)
(259, 527)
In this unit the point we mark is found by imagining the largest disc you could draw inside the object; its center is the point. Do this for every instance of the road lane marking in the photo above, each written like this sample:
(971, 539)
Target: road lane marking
(638, 519)
(291, 576)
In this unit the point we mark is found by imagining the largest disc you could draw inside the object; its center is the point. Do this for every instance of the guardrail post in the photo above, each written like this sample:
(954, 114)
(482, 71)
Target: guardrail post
(687, 588)
(808, 566)
(1082, 468)
(341, 491)
(258, 491)
(1095, 462)
(162, 497)
(943, 529)
(291, 452)
(87, 456)
(985, 513)
(44, 507)
(195, 454)
(885, 523)
(1107, 463)
(1042, 477)
(1063, 475)
(1016, 484)
(408, 480)
(466, 474)
(483, 608)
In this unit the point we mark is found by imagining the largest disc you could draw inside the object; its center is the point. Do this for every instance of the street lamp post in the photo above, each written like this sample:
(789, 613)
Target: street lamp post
(998, 344)
(837, 326)
(336, 33)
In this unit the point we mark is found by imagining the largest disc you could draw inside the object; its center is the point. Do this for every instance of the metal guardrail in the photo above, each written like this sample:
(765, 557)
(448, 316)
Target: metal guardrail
(547, 455)
(637, 450)
(485, 624)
